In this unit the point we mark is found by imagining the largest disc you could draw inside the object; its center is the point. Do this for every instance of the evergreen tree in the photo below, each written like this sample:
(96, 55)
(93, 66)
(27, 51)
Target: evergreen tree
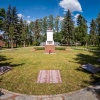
(56, 24)
(93, 32)
(14, 16)
(11, 36)
(40, 25)
(24, 35)
(11, 18)
(2, 16)
(37, 32)
(7, 20)
(98, 28)
(32, 27)
(44, 28)
(18, 36)
(82, 29)
(77, 34)
(68, 27)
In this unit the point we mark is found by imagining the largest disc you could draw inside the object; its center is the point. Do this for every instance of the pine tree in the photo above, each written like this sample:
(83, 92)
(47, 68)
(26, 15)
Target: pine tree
(98, 28)
(44, 28)
(56, 27)
(82, 29)
(2, 16)
(93, 34)
(11, 36)
(11, 18)
(14, 16)
(68, 27)
(18, 36)
(37, 32)
(24, 35)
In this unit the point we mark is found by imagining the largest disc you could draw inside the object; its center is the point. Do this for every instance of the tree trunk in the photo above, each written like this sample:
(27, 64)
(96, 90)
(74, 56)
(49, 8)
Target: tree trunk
(86, 45)
(11, 43)
(24, 44)
(16, 44)
(93, 43)
(76, 44)
(8, 44)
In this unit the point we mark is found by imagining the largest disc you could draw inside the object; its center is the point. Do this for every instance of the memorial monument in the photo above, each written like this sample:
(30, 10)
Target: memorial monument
(49, 47)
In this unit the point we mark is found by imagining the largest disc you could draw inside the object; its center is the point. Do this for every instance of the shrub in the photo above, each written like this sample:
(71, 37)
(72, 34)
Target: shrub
(39, 48)
(43, 48)
(60, 48)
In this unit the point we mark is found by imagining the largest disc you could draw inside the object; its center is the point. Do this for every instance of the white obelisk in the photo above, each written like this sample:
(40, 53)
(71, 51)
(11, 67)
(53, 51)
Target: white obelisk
(49, 47)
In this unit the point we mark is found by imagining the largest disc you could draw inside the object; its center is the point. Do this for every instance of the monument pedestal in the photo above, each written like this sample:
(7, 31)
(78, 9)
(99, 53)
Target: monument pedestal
(49, 49)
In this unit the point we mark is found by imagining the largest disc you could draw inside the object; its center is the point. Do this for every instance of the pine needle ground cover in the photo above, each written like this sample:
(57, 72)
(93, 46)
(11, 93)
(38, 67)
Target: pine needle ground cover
(27, 63)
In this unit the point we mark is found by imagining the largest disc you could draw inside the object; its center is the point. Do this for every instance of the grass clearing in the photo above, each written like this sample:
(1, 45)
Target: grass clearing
(27, 63)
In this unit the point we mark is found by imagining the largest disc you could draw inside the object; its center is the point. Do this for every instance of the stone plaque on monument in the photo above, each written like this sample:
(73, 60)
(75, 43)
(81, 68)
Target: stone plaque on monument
(49, 47)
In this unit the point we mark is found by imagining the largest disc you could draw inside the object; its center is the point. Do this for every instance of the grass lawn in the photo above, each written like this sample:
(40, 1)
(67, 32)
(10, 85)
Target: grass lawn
(27, 63)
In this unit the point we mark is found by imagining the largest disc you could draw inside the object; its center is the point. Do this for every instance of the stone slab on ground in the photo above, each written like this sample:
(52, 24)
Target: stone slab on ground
(4, 69)
(49, 76)
(90, 68)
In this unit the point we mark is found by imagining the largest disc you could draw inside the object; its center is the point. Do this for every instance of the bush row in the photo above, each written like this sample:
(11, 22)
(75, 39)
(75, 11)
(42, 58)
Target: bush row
(43, 48)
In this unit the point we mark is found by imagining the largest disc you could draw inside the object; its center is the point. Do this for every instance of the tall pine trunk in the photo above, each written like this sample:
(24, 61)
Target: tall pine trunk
(24, 44)
(12, 43)
(86, 45)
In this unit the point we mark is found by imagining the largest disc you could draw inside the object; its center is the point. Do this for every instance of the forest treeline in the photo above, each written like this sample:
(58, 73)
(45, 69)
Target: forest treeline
(18, 31)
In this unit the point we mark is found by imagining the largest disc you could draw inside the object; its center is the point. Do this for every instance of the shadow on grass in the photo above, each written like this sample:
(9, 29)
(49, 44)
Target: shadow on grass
(3, 58)
(94, 78)
(92, 59)
(85, 58)
(3, 62)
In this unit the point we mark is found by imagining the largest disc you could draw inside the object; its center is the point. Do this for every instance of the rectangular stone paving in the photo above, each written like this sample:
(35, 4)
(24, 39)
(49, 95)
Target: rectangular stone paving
(49, 76)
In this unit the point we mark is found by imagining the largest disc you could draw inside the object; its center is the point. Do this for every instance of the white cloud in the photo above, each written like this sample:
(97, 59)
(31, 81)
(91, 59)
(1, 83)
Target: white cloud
(72, 5)
(20, 15)
(76, 16)
(28, 16)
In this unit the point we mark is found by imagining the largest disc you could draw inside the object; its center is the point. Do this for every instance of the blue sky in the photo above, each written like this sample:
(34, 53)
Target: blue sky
(33, 9)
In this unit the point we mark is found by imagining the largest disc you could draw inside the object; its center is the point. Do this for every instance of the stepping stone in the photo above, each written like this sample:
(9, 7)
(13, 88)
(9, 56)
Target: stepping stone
(90, 68)
(49, 76)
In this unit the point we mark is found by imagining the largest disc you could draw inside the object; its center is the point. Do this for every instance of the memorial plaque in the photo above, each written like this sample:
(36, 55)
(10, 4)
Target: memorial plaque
(91, 68)
(49, 76)
(4, 69)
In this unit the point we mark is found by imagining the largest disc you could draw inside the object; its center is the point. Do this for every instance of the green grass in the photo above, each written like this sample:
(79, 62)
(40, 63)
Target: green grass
(27, 63)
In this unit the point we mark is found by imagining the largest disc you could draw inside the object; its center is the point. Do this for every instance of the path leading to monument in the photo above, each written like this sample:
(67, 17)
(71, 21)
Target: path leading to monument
(89, 93)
